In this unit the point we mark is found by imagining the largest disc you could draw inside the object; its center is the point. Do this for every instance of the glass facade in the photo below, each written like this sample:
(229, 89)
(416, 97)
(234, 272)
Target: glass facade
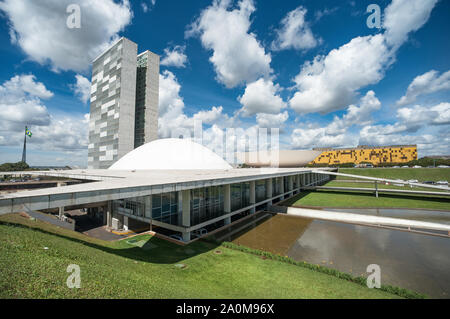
(240, 195)
(141, 85)
(129, 206)
(260, 190)
(165, 208)
(276, 190)
(206, 203)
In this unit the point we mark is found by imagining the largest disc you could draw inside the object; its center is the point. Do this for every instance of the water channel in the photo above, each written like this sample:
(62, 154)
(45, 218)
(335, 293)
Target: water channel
(410, 260)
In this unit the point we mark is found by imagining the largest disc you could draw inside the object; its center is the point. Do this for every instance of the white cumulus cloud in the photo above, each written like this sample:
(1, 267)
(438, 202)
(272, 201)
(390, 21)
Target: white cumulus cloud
(238, 57)
(336, 133)
(402, 17)
(261, 96)
(330, 82)
(20, 103)
(295, 32)
(39, 28)
(173, 120)
(426, 83)
(272, 120)
(175, 57)
(82, 88)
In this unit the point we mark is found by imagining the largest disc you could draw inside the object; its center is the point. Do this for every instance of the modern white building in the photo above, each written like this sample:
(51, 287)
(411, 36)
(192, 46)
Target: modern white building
(176, 185)
(278, 158)
(124, 102)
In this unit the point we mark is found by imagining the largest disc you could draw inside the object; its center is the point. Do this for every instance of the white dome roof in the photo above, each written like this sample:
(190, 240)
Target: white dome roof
(171, 153)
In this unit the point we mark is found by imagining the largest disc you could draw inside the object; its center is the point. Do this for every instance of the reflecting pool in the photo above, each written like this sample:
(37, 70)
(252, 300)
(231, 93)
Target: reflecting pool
(409, 260)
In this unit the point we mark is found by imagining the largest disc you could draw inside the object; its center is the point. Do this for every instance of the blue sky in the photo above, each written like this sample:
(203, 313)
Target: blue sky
(314, 69)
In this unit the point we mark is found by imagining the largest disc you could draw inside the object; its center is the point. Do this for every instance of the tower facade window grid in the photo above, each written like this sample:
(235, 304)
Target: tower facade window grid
(124, 103)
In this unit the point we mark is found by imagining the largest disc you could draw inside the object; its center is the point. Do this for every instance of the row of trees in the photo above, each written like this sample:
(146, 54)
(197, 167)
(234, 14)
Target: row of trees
(14, 167)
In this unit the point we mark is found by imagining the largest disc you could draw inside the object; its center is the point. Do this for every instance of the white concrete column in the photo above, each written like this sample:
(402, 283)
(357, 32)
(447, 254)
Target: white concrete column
(227, 202)
(148, 206)
(291, 183)
(186, 213)
(125, 222)
(252, 195)
(108, 209)
(108, 218)
(61, 212)
(298, 182)
(376, 189)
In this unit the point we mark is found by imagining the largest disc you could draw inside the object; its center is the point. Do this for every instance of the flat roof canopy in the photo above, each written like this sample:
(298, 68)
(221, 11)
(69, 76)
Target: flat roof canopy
(118, 184)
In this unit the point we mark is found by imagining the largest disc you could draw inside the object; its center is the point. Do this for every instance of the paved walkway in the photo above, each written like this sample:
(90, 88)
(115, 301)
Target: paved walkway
(50, 219)
(101, 233)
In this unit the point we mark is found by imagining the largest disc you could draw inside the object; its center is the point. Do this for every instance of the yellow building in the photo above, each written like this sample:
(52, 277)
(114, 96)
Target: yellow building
(369, 154)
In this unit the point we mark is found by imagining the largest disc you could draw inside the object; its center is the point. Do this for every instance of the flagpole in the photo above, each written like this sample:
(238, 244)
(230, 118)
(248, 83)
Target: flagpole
(24, 154)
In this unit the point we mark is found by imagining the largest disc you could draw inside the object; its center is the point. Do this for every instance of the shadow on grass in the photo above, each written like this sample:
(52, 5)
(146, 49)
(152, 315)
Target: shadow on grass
(155, 250)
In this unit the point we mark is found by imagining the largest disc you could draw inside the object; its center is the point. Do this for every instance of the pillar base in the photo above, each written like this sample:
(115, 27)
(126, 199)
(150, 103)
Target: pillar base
(186, 236)
(125, 222)
(61, 212)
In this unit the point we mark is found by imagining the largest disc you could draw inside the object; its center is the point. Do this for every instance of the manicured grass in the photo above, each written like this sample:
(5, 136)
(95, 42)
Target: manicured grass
(421, 174)
(338, 183)
(328, 198)
(144, 267)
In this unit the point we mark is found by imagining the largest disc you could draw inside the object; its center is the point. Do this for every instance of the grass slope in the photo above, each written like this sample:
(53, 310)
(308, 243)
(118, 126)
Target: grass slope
(146, 269)
(340, 183)
(329, 198)
(421, 174)
(348, 199)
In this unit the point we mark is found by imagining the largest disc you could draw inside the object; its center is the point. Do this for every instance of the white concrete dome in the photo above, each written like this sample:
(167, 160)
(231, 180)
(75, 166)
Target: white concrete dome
(171, 153)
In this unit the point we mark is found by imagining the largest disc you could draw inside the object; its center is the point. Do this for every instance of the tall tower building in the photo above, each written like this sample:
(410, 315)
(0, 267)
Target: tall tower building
(124, 102)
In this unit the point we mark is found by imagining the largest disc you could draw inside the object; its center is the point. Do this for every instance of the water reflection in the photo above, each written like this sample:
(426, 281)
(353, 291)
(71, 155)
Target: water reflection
(414, 261)
(432, 216)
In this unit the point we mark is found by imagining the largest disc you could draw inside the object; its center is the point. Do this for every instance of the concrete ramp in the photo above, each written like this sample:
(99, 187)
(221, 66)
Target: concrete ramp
(364, 219)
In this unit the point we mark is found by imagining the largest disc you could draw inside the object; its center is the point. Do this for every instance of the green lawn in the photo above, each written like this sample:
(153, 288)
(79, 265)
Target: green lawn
(330, 198)
(421, 174)
(145, 268)
(348, 199)
(340, 183)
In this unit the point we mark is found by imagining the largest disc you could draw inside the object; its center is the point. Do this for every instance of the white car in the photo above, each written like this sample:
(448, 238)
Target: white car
(413, 181)
(443, 166)
(442, 183)
(417, 166)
